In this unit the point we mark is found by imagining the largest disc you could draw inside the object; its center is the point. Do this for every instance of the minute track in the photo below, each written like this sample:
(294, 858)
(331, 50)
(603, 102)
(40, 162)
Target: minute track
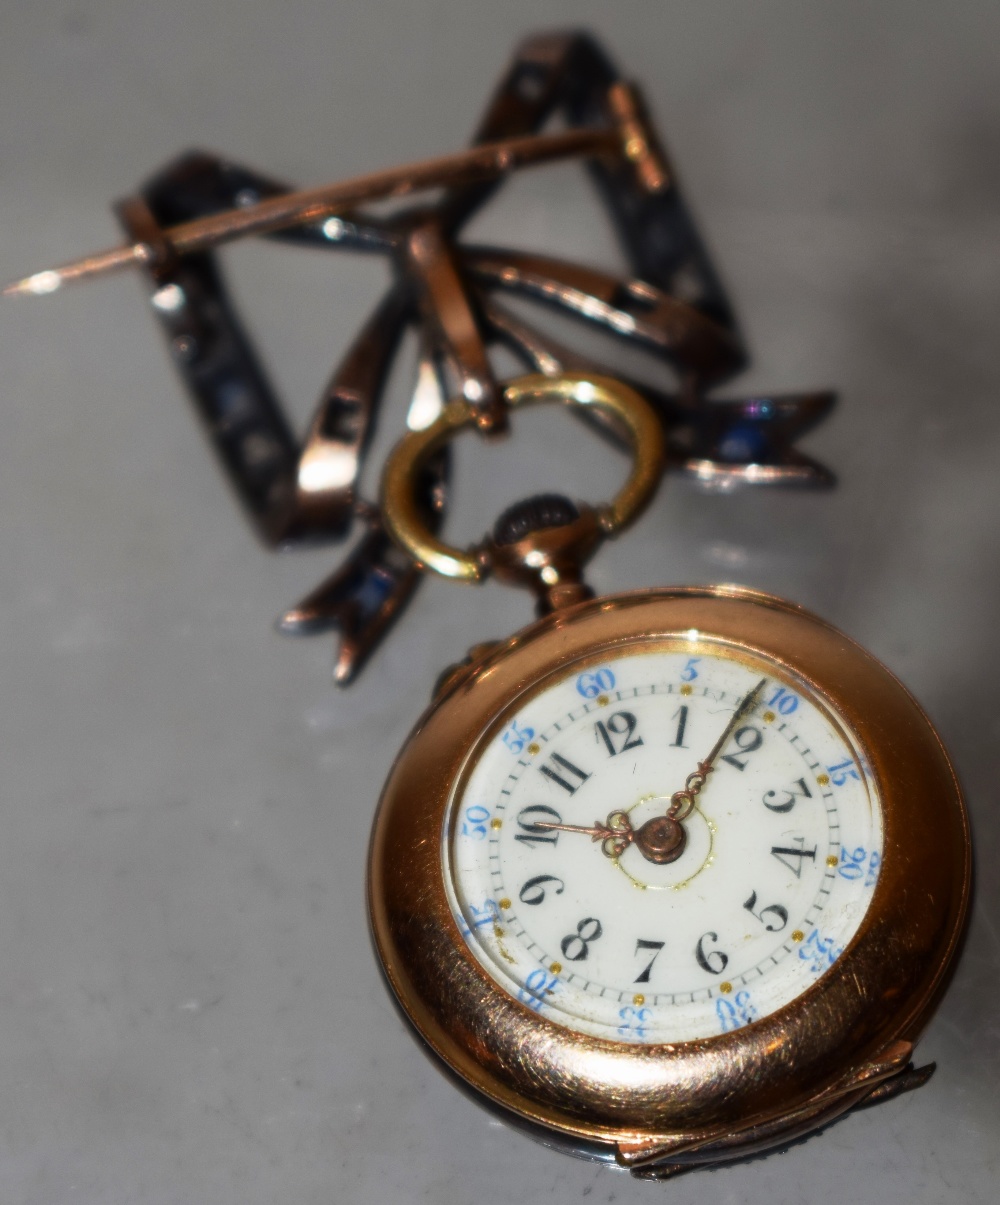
(715, 881)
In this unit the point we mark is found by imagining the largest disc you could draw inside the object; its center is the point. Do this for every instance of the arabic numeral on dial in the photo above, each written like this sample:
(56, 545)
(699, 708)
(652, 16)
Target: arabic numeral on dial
(622, 723)
(841, 772)
(533, 891)
(777, 915)
(747, 740)
(783, 701)
(689, 672)
(487, 913)
(474, 824)
(852, 863)
(565, 774)
(819, 952)
(798, 791)
(534, 833)
(784, 854)
(576, 946)
(600, 681)
(713, 961)
(859, 863)
(538, 985)
(735, 1013)
(516, 737)
(633, 1021)
(681, 716)
(640, 945)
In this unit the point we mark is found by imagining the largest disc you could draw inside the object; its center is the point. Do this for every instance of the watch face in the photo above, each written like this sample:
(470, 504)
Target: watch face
(614, 883)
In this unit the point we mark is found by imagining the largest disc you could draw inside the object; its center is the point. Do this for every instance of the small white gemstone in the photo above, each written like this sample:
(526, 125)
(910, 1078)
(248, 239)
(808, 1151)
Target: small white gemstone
(169, 299)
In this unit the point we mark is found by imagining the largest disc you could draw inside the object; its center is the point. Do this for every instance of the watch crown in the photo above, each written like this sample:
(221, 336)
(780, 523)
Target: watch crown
(533, 514)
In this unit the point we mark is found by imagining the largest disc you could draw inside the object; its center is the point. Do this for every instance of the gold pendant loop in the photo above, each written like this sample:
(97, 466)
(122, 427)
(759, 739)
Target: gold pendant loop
(625, 408)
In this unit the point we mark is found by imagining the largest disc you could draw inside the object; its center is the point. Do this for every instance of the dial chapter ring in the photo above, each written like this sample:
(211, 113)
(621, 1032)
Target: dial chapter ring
(628, 410)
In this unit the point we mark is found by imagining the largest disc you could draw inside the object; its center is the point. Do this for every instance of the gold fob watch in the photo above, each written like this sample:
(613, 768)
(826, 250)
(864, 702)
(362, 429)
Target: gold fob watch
(669, 877)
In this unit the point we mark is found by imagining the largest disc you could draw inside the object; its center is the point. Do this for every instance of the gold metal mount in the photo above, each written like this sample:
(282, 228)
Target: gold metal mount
(625, 408)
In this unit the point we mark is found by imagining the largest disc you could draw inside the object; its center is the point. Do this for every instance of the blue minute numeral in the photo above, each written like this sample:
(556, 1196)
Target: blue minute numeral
(858, 863)
(735, 1013)
(538, 985)
(633, 1021)
(841, 772)
(590, 685)
(689, 672)
(783, 700)
(819, 952)
(474, 824)
(487, 913)
(517, 736)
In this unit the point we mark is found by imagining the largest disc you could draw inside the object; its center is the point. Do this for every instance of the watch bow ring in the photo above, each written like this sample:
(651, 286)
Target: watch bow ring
(620, 405)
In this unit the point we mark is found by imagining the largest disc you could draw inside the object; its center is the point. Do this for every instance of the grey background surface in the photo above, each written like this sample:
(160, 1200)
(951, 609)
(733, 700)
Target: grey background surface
(189, 1009)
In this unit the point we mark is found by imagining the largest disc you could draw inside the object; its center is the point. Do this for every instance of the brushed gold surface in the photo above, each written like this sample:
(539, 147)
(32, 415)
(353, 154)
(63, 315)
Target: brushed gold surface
(784, 1073)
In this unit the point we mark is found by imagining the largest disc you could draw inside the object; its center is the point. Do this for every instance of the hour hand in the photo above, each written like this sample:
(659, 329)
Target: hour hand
(660, 840)
(615, 834)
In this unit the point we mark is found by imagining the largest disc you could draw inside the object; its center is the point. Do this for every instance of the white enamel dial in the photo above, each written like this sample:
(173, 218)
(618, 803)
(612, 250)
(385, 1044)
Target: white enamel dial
(775, 872)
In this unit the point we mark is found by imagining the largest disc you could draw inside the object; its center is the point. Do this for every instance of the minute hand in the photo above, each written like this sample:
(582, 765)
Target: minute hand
(682, 802)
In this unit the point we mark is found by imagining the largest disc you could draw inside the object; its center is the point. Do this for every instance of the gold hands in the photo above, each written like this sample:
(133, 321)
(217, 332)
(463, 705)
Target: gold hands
(615, 834)
(659, 840)
(682, 802)
(663, 838)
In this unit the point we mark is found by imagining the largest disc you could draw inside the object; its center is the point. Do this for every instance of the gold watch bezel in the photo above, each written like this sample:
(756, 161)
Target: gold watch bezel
(779, 1076)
